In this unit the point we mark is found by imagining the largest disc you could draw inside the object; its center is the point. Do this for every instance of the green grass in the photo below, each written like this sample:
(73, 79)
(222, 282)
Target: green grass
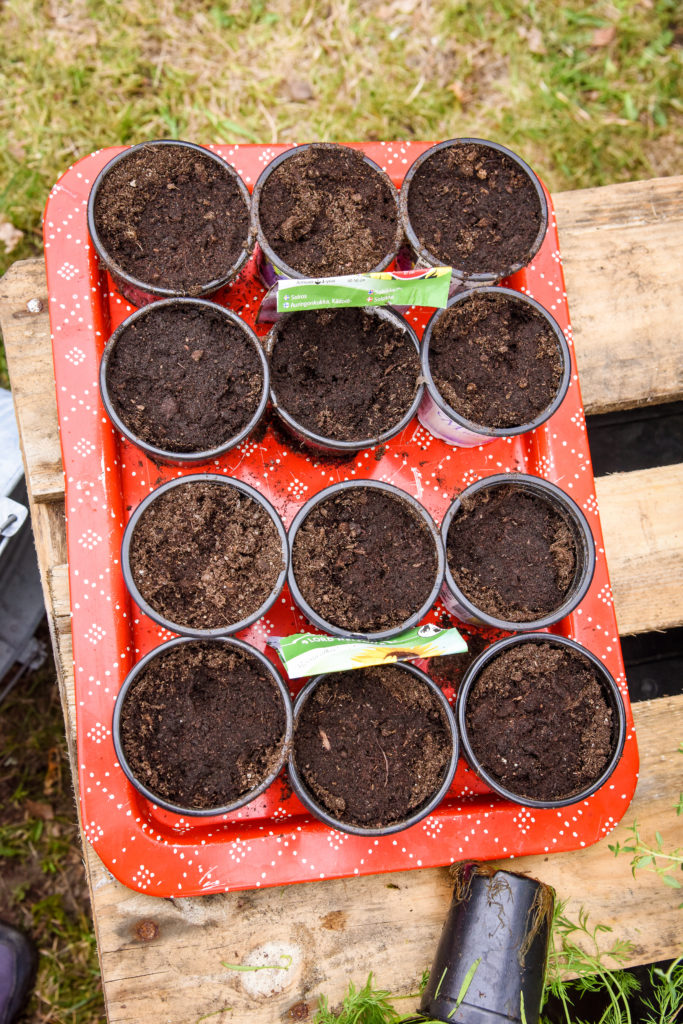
(80, 75)
(42, 882)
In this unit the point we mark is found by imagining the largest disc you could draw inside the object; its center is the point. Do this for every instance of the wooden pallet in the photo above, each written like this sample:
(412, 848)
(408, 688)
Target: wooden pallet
(162, 960)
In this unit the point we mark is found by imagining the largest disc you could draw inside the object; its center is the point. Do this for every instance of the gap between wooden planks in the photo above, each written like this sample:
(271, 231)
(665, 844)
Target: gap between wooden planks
(618, 245)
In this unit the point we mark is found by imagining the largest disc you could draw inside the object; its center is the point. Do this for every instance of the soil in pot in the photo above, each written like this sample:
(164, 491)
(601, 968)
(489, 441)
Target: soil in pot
(511, 553)
(202, 725)
(364, 560)
(184, 378)
(372, 745)
(539, 722)
(172, 217)
(344, 374)
(495, 360)
(327, 212)
(205, 555)
(474, 208)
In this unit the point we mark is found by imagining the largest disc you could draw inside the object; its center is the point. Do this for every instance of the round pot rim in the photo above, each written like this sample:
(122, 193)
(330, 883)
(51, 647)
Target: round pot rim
(331, 444)
(418, 508)
(609, 687)
(555, 496)
(310, 802)
(208, 812)
(259, 234)
(479, 428)
(166, 454)
(484, 276)
(210, 287)
(191, 632)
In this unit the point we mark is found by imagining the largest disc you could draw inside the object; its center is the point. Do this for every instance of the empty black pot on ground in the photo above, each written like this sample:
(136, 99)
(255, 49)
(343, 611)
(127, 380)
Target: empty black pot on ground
(490, 963)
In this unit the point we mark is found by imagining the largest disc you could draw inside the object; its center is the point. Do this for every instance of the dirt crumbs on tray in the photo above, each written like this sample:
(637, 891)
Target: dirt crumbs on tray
(511, 553)
(344, 374)
(205, 555)
(450, 669)
(495, 360)
(202, 725)
(539, 722)
(328, 212)
(372, 745)
(364, 560)
(475, 209)
(172, 217)
(184, 378)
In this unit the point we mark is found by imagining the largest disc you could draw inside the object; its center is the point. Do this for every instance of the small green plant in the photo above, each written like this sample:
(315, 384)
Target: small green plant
(366, 1005)
(575, 950)
(666, 1003)
(652, 855)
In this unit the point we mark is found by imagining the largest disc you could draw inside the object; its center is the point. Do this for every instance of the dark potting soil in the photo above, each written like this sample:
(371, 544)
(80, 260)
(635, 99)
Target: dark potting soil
(344, 374)
(539, 722)
(205, 555)
(202, 725)
(364, 560)
(184, 378)
(372, 745)
(326, 212)
(495, 360)
(474, 209)
(511, 553)
(172, 217)
(449, 669)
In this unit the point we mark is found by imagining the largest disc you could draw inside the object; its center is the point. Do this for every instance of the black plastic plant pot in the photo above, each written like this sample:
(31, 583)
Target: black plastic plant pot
(140, 292)
(313, 615)
(276, 765)
(332, 446)
(489, 966)
(272, 267)
(608, 688)
(194, 480)
(459, 605)
(310, 801)
(160, 454)
(442, 421)
(418, 254)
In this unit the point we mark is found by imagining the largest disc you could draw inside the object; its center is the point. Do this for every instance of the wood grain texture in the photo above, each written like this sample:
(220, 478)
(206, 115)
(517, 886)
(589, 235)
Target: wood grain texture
(338, 931)
(29, 361)
(621, 248)
(642, 522)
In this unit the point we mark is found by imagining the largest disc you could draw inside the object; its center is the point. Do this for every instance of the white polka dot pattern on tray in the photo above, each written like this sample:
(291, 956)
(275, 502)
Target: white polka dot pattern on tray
(273, 840)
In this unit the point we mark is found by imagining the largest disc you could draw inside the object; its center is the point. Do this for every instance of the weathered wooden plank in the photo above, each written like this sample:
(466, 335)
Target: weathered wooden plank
(29, 361)
(621, 248)
(643, 530)
(338, 931)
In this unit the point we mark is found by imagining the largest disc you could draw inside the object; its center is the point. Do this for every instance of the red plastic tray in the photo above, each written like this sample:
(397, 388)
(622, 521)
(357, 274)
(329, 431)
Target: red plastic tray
(273, 840)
